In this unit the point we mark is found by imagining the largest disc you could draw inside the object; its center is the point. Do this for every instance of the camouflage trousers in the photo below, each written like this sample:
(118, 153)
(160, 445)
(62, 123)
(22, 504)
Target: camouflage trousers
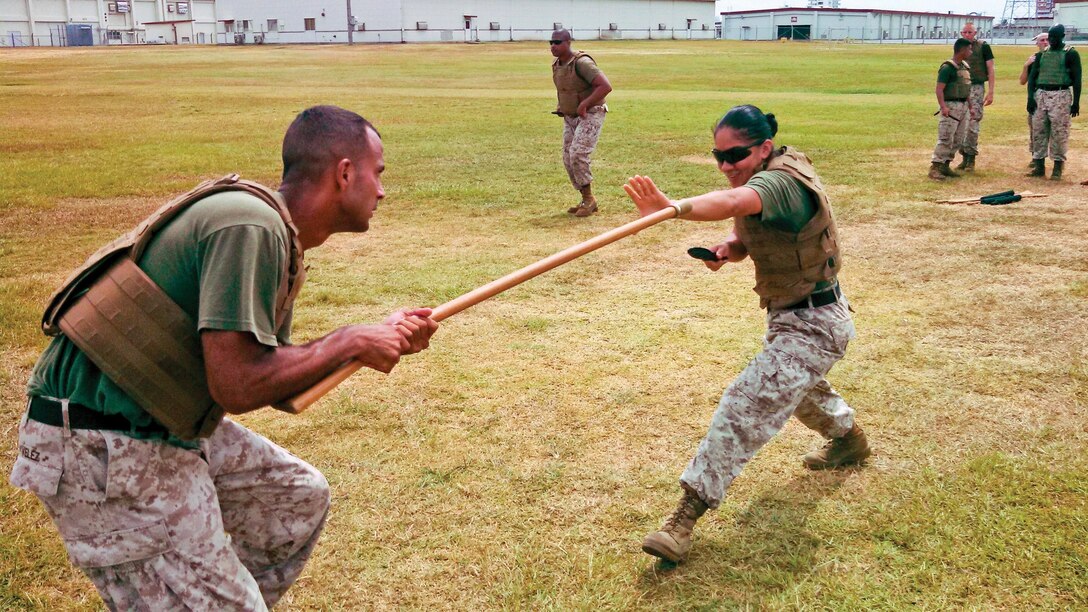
(950, 132)
(786, 378)
(580, 136)
(157, 527)
(976, 104)
(1050, 124)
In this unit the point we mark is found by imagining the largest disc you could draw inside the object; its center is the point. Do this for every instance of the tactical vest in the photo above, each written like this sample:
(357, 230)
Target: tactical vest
(979, 73)
(140, 338)
(789, 265)
(1052, 69)
(570, 86)
(960, 88)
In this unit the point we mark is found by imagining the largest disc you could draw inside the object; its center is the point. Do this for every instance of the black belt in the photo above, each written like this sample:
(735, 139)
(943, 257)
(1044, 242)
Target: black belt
(955, 99)
(49, 412)
(820, 298)
(1052, 87)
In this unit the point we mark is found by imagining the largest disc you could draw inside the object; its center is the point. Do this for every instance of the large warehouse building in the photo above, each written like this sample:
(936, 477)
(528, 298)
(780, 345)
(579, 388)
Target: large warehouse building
(97, 22)
(842, 24)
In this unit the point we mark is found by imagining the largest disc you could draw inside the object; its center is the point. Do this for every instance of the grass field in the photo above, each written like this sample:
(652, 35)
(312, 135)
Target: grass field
(519, 462)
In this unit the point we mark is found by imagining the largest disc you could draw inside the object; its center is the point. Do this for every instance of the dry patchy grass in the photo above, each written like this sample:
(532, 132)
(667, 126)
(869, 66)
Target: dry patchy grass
(518, 462)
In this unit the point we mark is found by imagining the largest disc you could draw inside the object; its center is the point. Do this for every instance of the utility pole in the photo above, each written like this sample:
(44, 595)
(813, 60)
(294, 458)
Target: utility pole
(351, 25)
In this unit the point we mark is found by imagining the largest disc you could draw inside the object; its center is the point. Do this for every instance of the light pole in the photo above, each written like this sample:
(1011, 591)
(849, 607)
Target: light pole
(351, 25)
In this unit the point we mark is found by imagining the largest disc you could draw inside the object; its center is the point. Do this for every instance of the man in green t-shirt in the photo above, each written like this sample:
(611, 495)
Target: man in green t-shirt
(581, 88)
(981, 96)
(146, 515)
(953, 89)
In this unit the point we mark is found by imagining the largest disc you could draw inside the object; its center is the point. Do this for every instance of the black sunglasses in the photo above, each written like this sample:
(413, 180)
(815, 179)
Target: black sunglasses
(556, 42)
(734, 154)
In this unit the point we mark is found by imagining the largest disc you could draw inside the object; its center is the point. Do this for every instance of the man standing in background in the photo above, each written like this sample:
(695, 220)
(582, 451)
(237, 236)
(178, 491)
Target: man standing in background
(953, 87)
(581, 87)
(1041, 42)
(982, 93)
(1051, 103)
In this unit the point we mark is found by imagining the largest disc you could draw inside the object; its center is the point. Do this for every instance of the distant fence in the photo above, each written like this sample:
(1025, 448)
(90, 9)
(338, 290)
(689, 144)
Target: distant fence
(877, 35)
(58, 37)
(101, 36)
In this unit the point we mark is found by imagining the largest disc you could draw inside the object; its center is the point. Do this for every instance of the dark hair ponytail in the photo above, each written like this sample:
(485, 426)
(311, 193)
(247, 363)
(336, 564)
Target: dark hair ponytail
(749, 120)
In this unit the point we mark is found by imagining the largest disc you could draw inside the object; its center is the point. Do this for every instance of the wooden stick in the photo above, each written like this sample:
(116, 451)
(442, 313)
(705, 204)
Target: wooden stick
(303, 400)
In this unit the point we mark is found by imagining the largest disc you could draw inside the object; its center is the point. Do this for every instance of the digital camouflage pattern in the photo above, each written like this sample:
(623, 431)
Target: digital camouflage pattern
(158, 527)
(785, 378)
(580, 136)
(950, 132)
(1050, 123)
(975, 102)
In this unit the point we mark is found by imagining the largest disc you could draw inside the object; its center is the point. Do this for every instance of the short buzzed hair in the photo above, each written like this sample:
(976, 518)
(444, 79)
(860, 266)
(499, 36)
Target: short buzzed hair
(959, 44)
(321, 136)
(564, 34)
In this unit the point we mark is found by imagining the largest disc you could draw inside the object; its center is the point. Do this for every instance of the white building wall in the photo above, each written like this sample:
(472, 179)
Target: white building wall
(1073, 14)
(378, 20)
(444, 20)
(829, 24)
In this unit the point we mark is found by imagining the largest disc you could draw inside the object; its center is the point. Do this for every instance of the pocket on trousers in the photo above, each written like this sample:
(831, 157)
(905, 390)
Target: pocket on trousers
(128, 465)
(40, 463)
(122, 546)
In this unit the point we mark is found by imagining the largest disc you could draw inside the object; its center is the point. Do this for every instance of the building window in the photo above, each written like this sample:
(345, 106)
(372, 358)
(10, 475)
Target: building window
(273, 25)
(310, 23)
(228, 27)
(113, 35)
(245, 25)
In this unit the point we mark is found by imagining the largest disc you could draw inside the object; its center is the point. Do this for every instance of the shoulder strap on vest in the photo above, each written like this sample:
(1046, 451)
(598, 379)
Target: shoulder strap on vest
(133, 243)
(574, 62)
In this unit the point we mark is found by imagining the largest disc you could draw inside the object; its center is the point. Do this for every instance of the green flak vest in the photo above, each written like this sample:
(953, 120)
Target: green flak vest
(1052, 69)
(960, 89)
(789, 265)
(140, 338)
(979, 74)
(570, 86)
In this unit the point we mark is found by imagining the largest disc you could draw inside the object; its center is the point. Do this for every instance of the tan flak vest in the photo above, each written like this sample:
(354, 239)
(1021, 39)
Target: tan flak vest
(789, 265)
(570, 86)
(140, 338)
(979, 72)
(959, 89)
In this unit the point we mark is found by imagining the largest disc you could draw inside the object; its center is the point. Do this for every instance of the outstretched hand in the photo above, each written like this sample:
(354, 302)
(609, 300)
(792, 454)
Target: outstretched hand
(646, 196)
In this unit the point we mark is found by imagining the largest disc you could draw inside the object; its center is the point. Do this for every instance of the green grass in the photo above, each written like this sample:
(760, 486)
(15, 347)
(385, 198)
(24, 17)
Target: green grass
(519, 461)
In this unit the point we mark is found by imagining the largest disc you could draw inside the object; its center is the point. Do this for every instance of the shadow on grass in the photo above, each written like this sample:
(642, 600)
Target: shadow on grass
(771, 549)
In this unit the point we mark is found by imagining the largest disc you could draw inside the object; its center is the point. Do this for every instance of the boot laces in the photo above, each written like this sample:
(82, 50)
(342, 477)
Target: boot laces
(680, 513)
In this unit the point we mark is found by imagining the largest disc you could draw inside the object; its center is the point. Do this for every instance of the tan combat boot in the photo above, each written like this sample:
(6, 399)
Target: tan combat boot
(935, 171)
(588, 205)
(673, 541)
(1038, 168)
(851, 448)
(945, 170)
(1056, 173)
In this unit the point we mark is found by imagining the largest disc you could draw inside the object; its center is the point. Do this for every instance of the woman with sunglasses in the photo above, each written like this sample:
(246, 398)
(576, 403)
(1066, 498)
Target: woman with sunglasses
(782, 220)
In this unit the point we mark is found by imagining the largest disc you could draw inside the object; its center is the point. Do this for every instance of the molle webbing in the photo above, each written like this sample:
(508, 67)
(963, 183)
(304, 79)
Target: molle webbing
(979, 73)
(1052, 70)
(789, 265)
(960, 88)
(569, 85)
(145, 343)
